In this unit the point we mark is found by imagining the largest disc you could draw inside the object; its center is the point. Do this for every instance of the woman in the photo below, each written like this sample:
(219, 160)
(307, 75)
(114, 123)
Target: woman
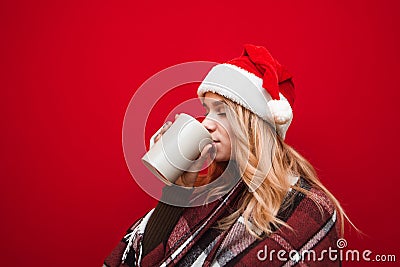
(271, 208)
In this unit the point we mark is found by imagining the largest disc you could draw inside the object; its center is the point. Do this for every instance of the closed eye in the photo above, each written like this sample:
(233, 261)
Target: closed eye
(219, 114)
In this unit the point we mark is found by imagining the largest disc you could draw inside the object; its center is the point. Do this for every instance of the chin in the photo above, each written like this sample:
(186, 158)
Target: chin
(221, 158)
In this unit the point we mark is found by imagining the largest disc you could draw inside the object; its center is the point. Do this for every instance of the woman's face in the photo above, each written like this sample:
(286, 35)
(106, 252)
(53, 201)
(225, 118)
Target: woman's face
(217, 124)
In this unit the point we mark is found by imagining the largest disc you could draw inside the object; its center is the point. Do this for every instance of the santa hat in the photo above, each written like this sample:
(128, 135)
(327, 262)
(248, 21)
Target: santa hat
(256, 81)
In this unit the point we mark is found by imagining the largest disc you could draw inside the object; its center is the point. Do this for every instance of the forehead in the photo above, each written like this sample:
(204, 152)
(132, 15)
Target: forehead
(210, 98)
(212, 95)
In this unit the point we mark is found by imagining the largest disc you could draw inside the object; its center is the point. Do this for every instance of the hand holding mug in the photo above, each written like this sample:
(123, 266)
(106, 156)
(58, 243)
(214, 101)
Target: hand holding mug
(189, 174)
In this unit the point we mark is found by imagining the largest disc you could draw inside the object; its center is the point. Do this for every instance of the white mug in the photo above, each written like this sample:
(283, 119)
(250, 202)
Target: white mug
(177, 148)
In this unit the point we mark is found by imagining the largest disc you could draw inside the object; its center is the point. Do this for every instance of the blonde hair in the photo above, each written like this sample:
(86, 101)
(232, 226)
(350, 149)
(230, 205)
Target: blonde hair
(265, 162)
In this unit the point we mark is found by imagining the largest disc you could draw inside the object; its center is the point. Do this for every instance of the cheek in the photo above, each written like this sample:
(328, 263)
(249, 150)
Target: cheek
(223, 152)
(224, 128)
(227, 141)
(225, 135)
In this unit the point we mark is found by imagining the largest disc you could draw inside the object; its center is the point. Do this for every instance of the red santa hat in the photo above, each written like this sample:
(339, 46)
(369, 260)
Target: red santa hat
(256, 81)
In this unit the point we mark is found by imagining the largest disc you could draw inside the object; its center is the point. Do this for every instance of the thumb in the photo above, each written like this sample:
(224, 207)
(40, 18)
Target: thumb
(207, 150)
(198, 163)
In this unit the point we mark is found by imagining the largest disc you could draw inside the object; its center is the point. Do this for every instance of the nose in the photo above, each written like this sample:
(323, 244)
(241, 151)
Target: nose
(210, 125)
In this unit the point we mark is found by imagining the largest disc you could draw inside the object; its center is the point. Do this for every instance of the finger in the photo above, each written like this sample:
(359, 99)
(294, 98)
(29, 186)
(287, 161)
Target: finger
(157, 138)
(176, 116)
(165, 127)
(205, 155)
(206, 151)
(157, 135)
(154, 138)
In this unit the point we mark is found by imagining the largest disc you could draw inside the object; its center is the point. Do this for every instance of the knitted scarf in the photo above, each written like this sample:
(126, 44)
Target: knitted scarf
(195, 241)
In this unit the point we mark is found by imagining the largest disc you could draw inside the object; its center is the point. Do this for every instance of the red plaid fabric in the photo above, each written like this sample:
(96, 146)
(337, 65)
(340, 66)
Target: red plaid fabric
(195, 241)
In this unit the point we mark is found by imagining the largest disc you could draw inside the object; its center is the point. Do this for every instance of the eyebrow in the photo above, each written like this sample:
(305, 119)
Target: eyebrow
(215, 103)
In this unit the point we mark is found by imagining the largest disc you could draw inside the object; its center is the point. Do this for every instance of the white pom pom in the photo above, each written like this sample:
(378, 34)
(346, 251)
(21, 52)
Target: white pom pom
(281, 110)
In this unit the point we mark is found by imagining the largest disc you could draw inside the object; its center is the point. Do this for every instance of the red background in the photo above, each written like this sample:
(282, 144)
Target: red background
(69, 70)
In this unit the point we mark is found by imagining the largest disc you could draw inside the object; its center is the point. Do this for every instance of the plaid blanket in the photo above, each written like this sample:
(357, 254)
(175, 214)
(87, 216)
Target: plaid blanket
(195, 241)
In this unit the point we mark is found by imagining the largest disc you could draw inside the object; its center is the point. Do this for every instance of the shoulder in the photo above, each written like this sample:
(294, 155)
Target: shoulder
(311, 226)
(308, 209)
(307, 200)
